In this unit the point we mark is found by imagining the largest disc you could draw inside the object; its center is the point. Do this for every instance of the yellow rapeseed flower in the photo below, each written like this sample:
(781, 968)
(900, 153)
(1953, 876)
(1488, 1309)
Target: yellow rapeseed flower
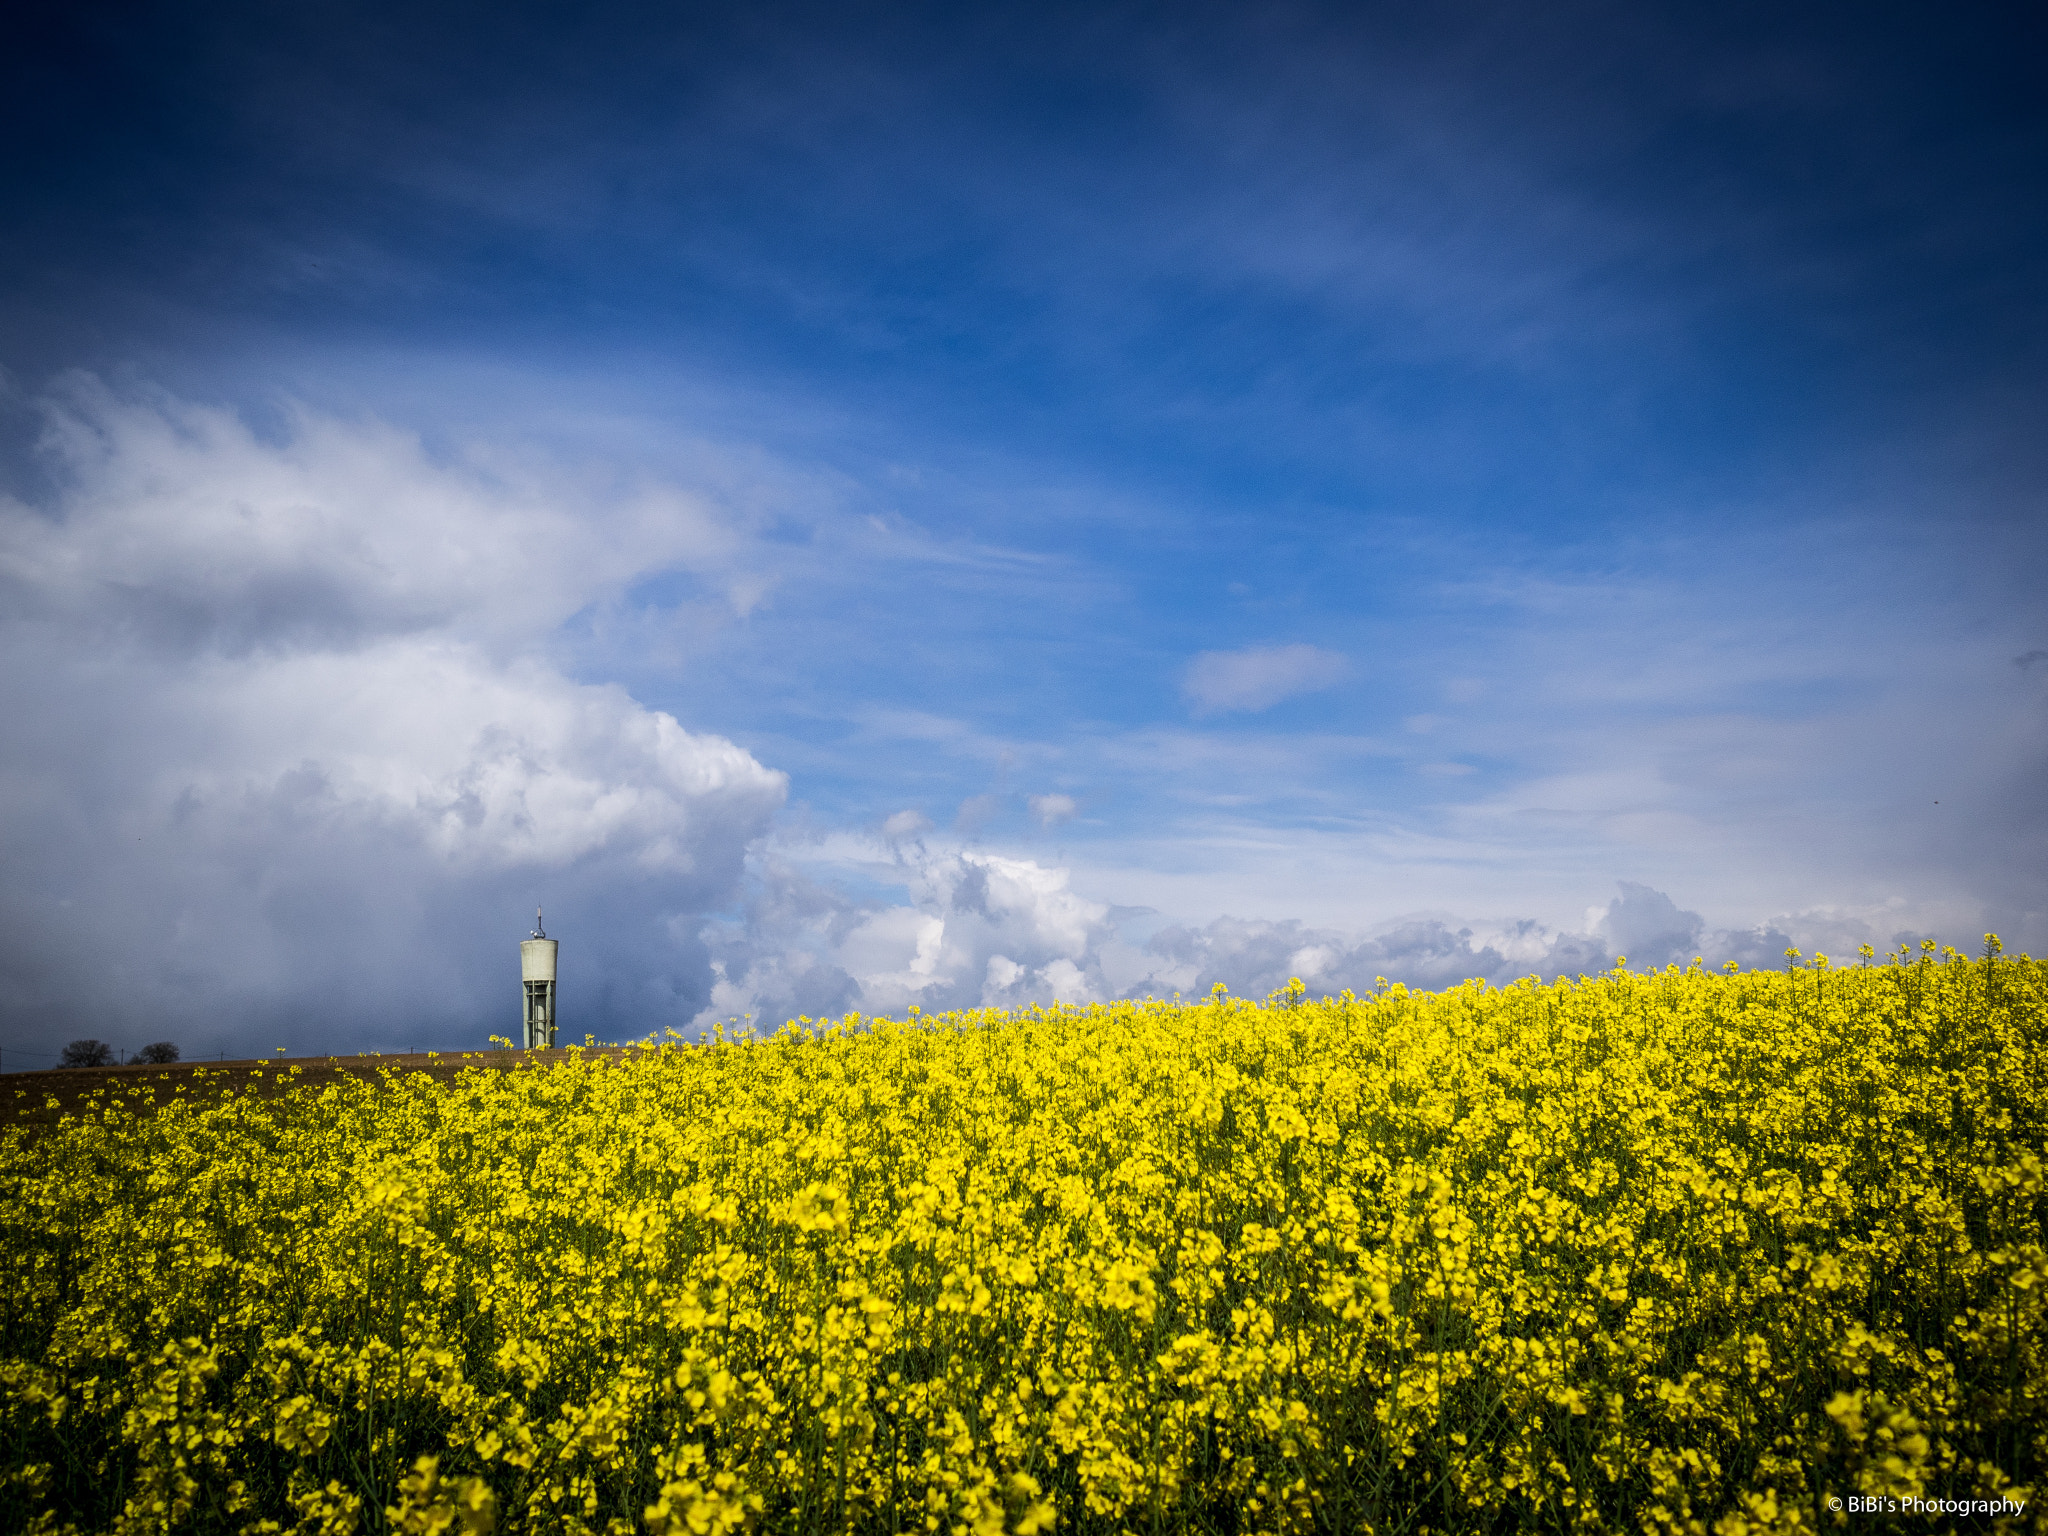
(1666, 1252)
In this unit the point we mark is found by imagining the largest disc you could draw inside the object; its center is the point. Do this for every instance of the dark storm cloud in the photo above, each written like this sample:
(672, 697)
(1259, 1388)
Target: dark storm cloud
(237, 817)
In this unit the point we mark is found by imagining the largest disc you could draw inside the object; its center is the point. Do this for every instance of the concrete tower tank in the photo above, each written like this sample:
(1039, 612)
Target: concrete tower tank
(537, 970)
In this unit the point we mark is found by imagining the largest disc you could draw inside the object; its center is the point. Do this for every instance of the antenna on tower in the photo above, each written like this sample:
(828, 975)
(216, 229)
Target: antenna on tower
(537, 972)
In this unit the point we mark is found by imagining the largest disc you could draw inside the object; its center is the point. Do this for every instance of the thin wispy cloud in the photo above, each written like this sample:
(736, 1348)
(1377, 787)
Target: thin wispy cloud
(1259, 677)
(1053, 810)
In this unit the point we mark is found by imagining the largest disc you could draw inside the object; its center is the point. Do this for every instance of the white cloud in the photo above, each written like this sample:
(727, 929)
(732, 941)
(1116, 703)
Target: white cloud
(1259, 678)
(1051, 810)
(977, 930)
(482, 764)
(906, 824)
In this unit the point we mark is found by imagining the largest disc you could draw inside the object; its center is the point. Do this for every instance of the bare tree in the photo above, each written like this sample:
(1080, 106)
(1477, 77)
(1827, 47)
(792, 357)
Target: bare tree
(87, 1053)
(160, 1054)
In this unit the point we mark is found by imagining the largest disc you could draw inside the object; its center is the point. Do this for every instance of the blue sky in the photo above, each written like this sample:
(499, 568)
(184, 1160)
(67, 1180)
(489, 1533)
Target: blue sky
(856, 506)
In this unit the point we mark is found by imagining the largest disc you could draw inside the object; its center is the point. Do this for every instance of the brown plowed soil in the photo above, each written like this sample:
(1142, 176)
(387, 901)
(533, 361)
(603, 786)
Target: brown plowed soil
(41, 1098)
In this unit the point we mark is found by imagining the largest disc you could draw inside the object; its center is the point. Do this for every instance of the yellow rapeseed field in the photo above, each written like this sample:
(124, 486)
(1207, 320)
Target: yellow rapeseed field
(1660, 1253)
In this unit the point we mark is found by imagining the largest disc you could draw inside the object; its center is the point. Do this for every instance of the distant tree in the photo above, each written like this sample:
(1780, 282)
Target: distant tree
(87, 1053)
(158, 1055)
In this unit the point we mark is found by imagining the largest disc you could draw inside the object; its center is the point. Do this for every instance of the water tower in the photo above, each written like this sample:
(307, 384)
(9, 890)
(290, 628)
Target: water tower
(537, 970)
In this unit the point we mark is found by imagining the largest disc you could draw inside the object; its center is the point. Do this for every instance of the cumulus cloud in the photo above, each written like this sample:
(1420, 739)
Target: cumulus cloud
(1258, 678)
(291, 754)
(975, 930)
(1645, 927)
(1253, 958)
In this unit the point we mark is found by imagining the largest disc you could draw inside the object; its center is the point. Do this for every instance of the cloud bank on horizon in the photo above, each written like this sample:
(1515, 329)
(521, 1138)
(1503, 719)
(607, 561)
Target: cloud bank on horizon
(868, 510)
